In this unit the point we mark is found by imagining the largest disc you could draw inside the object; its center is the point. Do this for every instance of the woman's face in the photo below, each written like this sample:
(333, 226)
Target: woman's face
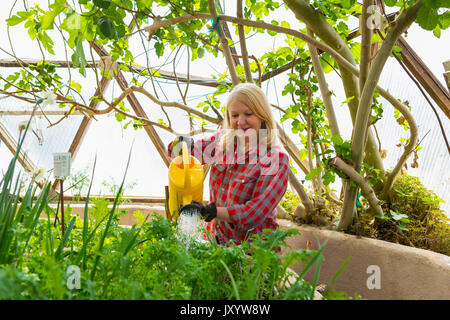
(242, 117)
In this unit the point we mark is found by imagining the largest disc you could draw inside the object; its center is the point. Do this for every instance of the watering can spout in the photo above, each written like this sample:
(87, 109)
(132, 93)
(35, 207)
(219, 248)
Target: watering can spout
(185, 181)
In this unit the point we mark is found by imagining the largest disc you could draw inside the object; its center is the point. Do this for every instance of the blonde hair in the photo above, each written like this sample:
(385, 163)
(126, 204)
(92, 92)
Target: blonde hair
(255, 99)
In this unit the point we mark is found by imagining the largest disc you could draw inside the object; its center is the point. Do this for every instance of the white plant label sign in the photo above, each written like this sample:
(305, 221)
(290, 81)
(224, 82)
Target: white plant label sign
(61, 165)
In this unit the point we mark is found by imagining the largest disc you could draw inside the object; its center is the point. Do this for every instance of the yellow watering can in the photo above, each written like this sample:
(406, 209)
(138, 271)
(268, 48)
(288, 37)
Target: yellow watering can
(185, 181)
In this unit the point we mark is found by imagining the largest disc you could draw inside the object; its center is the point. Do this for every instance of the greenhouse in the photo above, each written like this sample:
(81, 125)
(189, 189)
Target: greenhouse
(222, 150)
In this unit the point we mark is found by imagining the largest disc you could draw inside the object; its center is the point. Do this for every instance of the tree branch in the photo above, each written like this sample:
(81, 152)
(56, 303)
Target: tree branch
(408, 148)
(223, 40)
(319, 25)
(243, 44)
(178, 105)
(309, 205)
(359, 180)
(326, 93)
(362, 118)
(366, 40)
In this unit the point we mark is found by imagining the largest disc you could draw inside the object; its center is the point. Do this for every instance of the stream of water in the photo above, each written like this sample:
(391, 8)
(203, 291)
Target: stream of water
(190, 226)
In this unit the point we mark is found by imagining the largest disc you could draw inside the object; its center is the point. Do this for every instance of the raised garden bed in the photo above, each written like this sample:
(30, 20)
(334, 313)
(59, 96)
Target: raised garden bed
(404, 272)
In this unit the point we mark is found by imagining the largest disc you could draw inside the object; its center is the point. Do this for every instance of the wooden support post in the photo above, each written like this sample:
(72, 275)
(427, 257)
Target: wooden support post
(166, 203)
(62, 205)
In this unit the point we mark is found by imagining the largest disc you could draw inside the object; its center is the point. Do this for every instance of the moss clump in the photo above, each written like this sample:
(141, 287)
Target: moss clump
(325, 212)
(422, 224)
(290, 201)
(413, 217)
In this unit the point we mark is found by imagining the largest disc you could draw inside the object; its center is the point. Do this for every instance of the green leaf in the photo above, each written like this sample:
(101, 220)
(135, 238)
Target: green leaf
(21, 16)
(337, 139)
(376, 38)
(159, 47)
(31, 26)
(397, 216)
(47, 20)
(444, 20)
(200, 52)
(314, 172)
(303, 154)
(396, 49)
(233, 282)
(285, 24)
(107, 28)
(47, 42)
(62, 244)
(355, 48)
(348, 100)
(75, 85)
(328, 178)
(347, 4)
(49, 17)
(442, 3)
(78, 57)
(73, 22)
(427, 17)
(437, 31)
(390, 3)
(120, 117)
(104, 4)
(327, 62)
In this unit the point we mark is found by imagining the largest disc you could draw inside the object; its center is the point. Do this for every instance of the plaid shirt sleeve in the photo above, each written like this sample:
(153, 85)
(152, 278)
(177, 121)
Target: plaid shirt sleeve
(203, 148)
(267, 193)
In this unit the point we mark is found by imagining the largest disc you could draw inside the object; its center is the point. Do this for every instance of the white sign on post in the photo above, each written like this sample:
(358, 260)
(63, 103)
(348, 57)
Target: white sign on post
(61, 165)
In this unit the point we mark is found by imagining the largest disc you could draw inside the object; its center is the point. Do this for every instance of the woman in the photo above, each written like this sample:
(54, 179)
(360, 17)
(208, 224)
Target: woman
(249, 170)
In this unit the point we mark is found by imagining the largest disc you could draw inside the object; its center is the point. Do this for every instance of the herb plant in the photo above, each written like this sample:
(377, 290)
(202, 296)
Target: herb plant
(149, 260)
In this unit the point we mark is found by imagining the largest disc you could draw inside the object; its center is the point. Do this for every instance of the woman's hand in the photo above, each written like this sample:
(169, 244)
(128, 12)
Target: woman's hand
(207, 211)
(176, 146)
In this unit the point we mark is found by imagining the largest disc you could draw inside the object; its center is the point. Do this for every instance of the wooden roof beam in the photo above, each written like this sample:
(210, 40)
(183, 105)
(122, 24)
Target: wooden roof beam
(447, 73)
(11, 144)
(85, 123)
(134, 102)
(425, 77)
(11, 112)
(19, 63)
(82, 129)
(168, 75)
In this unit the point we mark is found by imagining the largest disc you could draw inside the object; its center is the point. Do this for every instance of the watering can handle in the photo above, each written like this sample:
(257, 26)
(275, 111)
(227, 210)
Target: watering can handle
(186, 160)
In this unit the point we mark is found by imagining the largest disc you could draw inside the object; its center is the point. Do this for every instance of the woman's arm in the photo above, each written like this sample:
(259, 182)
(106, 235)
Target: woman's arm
(222, 214)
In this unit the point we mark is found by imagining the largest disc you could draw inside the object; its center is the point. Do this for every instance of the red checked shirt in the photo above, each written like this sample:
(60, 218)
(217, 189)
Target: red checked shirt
(249, 185)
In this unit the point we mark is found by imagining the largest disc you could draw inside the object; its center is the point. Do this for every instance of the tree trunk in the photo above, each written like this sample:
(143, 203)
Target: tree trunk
(362, 119)
(318, 24)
